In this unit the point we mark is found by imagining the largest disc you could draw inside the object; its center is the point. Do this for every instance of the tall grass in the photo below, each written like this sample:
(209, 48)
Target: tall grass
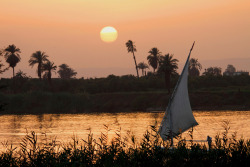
(126, 151)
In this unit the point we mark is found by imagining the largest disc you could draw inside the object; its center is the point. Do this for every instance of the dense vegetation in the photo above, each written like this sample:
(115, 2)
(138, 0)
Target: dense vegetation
(150, 91)
(127, 151)
(127, 83)
(118, 94)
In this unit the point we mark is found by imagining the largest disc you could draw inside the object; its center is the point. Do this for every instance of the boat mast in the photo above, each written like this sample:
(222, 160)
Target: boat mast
(173, 94)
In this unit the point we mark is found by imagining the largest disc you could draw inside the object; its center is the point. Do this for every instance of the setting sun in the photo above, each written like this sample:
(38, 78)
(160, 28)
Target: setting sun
(74, 94)
(108, 34)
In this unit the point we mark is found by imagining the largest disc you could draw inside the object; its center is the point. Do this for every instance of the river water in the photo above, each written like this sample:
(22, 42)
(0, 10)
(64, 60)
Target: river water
(64, 126)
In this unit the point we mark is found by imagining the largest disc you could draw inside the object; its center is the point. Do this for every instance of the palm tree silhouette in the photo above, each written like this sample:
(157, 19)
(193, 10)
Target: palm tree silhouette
(131, 48)
(168, 66)
(194, 67)
(153, 58)
(142, 66)
(38, 58)
(11, 54)
(49, 67)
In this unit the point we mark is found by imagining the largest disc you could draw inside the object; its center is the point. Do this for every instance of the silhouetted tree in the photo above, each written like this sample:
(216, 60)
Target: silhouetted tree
(2, 70)
(11, 54)
(20, 74)
(142, 66)
(1, 64)
(230, 70)
(21, 77)
(65, 72)
(194, 67)
(45, 75)
(212, 71)
(168, 65)
(153, 58)
(48, 67)
(38, 58)
(131, 48)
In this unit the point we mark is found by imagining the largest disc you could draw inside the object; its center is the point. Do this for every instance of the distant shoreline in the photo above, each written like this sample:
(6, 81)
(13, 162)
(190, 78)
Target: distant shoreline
(148, 111)
(68, 103)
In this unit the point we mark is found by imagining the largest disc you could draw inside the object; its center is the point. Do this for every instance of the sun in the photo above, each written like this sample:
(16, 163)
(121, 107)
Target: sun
(108, 34)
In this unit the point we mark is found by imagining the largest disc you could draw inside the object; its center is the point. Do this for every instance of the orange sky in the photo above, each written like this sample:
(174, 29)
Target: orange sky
(68, 31)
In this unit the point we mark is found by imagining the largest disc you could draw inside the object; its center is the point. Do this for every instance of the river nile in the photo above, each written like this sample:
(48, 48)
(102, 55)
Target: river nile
(64, 126)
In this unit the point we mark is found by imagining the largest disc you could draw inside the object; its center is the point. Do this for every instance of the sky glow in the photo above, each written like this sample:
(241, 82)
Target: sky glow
(69, 31)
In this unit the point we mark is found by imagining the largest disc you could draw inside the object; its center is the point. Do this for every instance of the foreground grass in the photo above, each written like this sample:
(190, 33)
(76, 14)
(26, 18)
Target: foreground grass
(125, 151)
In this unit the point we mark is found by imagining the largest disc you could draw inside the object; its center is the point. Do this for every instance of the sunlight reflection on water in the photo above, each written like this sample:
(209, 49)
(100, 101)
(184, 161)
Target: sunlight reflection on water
(63, 126)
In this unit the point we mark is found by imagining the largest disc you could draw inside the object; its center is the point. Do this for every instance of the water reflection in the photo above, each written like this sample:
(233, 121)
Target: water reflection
(64, 126)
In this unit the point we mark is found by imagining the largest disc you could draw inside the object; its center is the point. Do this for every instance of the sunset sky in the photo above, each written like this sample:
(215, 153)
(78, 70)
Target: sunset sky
(69, 32)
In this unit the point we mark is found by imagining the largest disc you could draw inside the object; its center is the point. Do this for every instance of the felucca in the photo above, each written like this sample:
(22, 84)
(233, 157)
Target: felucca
(178, 116)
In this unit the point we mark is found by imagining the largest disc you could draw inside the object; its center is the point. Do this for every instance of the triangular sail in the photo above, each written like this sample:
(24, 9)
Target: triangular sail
(178, 116)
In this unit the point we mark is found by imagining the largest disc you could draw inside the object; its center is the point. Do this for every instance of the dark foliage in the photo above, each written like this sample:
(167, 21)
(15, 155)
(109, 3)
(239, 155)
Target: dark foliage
(154, 58)
(143, 66)
(11, 54)
(129, 83)
(168, 65)
(117, 94)
(65, 72)
(213, 71)
(123, 151)
(48, 67)
(38, 58)
(194, 67)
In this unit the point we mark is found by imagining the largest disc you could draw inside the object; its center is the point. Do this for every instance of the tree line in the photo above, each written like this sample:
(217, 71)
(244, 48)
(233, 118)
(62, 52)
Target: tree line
(162, 64)
(45, 67)
(167, 65)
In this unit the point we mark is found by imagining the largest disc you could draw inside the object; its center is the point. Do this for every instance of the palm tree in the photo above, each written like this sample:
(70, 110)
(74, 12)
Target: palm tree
(38, 58)
(168, 65)
(11, 54)
(49, 67)
(153, 58)
(194, 67)
(65, 72)
(131, 48)
(142, 66)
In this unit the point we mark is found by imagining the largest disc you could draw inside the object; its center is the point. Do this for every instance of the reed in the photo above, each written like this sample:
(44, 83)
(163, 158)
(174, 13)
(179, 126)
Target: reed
(127, 151)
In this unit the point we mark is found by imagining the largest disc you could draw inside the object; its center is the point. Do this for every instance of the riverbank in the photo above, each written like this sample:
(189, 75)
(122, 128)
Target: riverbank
(47, 102)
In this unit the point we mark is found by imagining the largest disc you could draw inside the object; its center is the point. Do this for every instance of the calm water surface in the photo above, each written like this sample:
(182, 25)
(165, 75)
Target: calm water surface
(64, 126)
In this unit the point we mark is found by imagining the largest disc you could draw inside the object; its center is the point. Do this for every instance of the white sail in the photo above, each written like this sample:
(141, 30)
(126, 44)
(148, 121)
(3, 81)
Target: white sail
(178, 116)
